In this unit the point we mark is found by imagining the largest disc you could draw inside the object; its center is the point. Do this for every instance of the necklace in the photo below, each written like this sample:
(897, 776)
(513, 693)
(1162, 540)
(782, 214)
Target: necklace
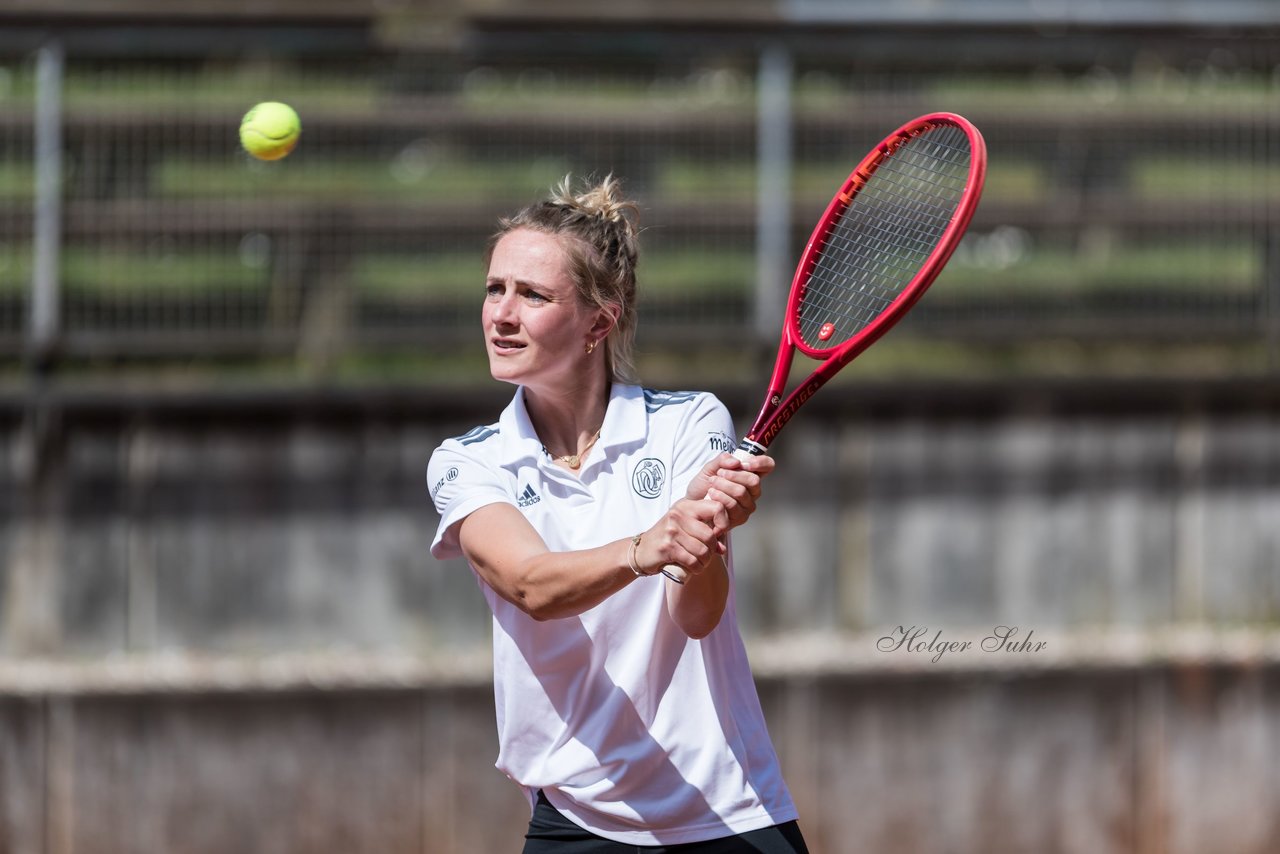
(575, 460)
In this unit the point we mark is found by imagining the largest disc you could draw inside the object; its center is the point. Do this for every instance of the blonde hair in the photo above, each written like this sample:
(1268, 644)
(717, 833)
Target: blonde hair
(603, 254)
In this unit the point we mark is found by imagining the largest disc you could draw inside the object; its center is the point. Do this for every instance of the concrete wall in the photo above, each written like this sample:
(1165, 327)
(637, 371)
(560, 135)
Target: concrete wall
(1177, 760)
(269, 522)
(220, 628)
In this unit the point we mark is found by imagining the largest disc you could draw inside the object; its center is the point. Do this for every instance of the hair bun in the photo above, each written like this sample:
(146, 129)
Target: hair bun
(604, 201)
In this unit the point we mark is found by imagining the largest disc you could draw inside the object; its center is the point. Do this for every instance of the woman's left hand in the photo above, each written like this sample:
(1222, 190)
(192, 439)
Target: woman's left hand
(734, 483)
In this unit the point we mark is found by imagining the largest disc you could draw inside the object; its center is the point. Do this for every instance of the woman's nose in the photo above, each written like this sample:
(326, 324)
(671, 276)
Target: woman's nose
(502, 311)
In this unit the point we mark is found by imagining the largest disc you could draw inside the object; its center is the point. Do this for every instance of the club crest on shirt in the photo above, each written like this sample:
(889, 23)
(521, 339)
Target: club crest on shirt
(648, 477)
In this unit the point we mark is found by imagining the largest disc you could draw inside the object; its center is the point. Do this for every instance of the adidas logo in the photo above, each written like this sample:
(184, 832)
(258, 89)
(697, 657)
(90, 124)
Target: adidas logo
(528, 497)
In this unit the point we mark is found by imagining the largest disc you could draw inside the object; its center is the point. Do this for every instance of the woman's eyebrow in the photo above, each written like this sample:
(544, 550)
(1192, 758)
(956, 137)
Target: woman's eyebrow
(528, 283)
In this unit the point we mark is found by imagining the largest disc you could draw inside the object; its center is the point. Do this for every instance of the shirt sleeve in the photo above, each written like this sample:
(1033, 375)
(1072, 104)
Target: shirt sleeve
(461, 484)
(707, 432)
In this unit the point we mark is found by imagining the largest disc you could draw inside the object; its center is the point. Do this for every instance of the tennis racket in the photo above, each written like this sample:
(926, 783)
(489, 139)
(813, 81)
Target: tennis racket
(881, 242)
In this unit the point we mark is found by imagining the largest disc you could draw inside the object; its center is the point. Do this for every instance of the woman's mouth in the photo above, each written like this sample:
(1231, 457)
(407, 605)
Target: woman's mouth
(507, 344)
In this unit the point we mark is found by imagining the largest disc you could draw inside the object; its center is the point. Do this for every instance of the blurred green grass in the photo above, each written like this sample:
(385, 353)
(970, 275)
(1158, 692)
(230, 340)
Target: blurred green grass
(704, 272)
(17, 180)
(185, 87)
(104, 272)
(675, 180)
(403, 179)
(683, 180)
(1187, 180)
(1174, 268)
(433, 178)
(409, 179)
(363, 87)
(1155, 90)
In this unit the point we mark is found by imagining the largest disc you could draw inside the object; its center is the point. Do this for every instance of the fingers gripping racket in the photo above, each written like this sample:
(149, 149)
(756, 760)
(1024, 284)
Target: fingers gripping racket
(881, 242)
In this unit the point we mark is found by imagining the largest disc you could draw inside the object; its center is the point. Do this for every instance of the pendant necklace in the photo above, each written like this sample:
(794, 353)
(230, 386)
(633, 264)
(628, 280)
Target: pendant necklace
(575, 460)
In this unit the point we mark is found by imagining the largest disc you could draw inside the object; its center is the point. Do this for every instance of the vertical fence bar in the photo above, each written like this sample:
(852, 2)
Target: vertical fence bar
(47, 233)
(773, 187)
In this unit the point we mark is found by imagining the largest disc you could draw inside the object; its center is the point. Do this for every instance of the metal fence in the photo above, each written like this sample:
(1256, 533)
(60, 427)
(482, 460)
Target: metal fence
(1126, 202)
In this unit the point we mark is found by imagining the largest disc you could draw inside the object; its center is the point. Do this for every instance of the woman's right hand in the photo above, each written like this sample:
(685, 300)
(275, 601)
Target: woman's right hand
(689, 535)
(733, 482)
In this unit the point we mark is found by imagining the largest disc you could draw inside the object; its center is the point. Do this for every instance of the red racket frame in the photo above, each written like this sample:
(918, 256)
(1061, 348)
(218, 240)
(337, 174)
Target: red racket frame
(777, 411)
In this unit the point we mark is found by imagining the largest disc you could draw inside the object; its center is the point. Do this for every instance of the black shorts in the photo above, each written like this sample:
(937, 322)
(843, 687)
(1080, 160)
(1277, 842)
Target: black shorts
(552, 833)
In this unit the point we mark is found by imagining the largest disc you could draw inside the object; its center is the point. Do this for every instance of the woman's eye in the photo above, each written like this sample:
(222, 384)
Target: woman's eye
(493, 290)
(534, 296)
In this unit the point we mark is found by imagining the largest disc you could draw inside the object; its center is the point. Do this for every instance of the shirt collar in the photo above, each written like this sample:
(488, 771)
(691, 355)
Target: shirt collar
(625, 423)
(519, 439)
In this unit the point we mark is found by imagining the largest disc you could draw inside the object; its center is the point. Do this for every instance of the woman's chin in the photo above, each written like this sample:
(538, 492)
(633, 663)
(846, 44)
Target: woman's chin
(504, 372)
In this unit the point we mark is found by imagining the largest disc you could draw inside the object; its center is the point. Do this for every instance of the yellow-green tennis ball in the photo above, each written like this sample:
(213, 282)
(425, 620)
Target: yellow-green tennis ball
(270, 130)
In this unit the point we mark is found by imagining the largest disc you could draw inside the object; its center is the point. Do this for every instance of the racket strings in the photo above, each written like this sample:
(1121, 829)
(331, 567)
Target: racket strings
(885, 236)
(856, 278)
(898, 211)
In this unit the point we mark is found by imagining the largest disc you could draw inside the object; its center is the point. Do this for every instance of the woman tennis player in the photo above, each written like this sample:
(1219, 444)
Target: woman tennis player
(625, 703)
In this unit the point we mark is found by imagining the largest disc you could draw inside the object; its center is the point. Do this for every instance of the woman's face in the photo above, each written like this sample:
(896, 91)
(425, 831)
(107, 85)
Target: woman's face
(536, 329)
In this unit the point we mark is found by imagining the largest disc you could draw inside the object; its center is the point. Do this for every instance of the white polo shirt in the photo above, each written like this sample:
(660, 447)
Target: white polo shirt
(632, 729)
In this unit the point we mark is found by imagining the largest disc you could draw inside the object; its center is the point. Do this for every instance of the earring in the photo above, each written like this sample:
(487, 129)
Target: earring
(591, 345)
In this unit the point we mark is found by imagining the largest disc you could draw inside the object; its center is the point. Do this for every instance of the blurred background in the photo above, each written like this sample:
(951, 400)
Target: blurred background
(221, 380)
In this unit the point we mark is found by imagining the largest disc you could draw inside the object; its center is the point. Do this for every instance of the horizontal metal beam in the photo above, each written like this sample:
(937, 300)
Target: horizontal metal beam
(1213, 14)
(167, 10)
(980, 398)
(861, 13)
(146, 218)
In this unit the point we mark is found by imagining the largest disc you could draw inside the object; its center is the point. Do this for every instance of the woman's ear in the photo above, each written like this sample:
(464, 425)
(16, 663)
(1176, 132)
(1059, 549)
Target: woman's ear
(606, 318)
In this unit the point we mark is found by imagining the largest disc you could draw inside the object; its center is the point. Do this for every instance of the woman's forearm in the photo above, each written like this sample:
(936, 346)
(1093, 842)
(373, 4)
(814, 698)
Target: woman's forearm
(554, 585)
(697, 605)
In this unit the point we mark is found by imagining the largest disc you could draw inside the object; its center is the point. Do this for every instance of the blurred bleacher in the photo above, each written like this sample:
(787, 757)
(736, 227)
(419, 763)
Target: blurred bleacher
(1130, 212)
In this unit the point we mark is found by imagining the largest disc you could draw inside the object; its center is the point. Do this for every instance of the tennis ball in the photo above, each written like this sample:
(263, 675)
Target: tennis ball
(270, 130)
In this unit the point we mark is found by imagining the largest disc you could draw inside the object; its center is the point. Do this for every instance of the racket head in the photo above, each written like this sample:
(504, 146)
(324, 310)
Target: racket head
(886, 234)
(882, 240)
